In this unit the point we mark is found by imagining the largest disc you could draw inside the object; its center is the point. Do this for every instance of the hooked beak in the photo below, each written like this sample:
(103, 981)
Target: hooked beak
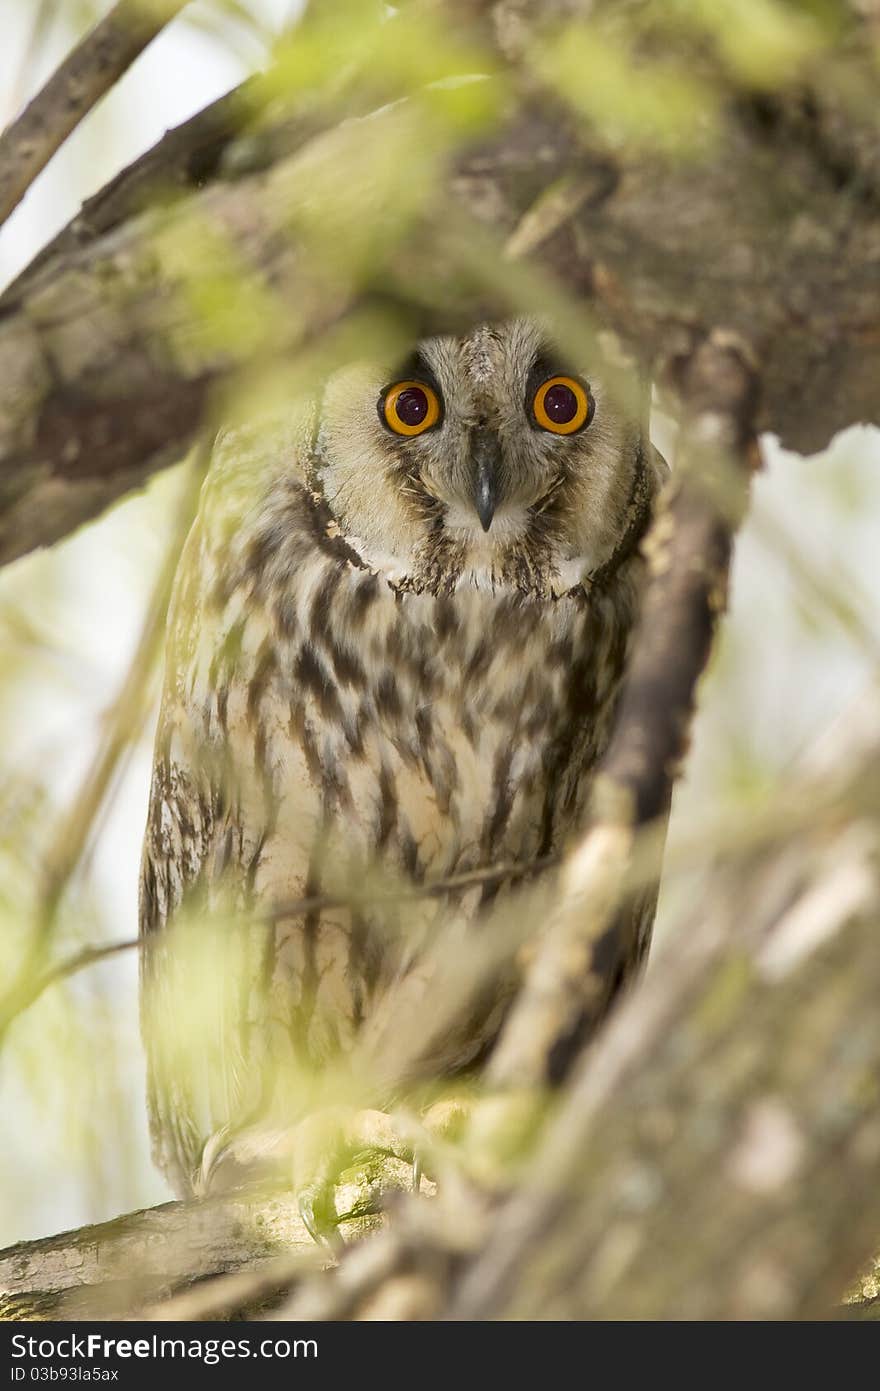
(486, 453)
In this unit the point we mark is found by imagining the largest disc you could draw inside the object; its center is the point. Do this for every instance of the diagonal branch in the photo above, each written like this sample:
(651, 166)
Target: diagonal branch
(104, 358)
(122, 720)
(85, 76)
(715, 1155)
(688, 551)
(34, 984)
(143, 1256)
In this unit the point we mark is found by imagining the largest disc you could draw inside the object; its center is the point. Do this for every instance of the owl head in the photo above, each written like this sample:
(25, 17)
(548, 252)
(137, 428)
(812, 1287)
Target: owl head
(484, 460)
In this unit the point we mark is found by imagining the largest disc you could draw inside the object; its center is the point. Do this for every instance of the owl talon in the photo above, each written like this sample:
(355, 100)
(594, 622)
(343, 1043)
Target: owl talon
(417, 1173)
(322, 1231)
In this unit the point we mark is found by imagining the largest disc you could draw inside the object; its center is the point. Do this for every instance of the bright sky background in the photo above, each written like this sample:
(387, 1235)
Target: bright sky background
(71, 1155)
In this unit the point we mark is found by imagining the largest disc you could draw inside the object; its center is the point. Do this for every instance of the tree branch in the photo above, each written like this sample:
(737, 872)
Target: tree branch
(146, 1256)
(121, 722)
(33, 983)
(688, 550)
(85, 76)
(716, 1155)
(105, 362)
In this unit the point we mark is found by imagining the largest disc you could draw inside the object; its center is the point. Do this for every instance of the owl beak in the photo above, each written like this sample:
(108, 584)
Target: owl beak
(486, 452)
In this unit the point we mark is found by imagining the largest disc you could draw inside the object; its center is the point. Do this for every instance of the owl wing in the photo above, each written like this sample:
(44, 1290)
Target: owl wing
(187, 833)
(203, 961)
(201, 958)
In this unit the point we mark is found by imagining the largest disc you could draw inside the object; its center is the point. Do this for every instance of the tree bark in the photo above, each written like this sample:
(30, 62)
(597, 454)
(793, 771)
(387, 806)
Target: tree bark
(146, 1256)
(596, 933)
(770, 231)
(177, 1260)
(716, 1157)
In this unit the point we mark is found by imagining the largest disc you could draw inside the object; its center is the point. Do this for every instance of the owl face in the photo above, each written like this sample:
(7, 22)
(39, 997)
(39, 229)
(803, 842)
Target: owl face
(478, 460)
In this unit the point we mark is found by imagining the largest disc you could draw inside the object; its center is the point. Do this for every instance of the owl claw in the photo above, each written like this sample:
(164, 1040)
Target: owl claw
(322, 1231)
(417, 1173)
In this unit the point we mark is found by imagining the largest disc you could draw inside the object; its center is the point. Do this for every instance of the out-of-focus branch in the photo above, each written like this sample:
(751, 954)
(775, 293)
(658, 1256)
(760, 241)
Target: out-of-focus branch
(716, 1154)
(85, 76)
(123, 720)
(688, 551)
(63, 970)
(236, 1292)
(104, 363)
(77, 961)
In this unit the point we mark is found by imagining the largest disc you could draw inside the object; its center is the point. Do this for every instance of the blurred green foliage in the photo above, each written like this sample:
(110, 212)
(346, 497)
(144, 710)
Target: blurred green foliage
(71, 1073)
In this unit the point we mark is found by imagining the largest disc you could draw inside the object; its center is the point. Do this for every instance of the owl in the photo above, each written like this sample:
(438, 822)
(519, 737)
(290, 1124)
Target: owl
(395, 645)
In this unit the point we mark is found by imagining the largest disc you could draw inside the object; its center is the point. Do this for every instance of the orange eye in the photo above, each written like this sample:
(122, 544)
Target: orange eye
(562, 405)
(409, 408)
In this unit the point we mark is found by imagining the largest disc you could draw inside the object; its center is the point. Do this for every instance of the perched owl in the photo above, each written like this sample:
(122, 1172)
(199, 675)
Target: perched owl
(396, 639)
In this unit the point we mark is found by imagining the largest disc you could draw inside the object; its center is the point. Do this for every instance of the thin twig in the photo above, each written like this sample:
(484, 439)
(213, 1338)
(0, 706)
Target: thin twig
(71, 965)
(432, 888)
(800, 805)
(123, 719)
(85, 76)
(365, 1270)
(67, 967)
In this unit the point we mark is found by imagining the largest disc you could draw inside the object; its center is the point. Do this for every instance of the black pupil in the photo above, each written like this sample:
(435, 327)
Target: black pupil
(561, 404)
(412, 405)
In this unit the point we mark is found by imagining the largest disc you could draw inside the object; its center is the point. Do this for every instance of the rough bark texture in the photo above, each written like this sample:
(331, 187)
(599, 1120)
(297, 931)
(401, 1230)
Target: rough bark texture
(146, 1255)
(772, 231)
(160, 1262)
(717, 1155)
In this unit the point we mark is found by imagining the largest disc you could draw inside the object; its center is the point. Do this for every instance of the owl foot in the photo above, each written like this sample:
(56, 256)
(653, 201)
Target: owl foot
(343, 1163)
(341, 1170)
(321, 1228)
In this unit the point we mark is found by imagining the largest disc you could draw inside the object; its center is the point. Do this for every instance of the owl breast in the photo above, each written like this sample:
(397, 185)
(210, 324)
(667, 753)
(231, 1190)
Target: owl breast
(325, 726)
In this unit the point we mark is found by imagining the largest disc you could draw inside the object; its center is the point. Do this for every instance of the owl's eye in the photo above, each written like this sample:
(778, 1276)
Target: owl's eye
(409, 408)
(562, 405)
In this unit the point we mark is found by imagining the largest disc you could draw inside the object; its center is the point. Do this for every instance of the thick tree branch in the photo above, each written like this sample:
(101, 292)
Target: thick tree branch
(161, 1263)
(183, 160)
(769, 231)
(689, 552)
(145, 1256)
(85, 76)
(716, 1156)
